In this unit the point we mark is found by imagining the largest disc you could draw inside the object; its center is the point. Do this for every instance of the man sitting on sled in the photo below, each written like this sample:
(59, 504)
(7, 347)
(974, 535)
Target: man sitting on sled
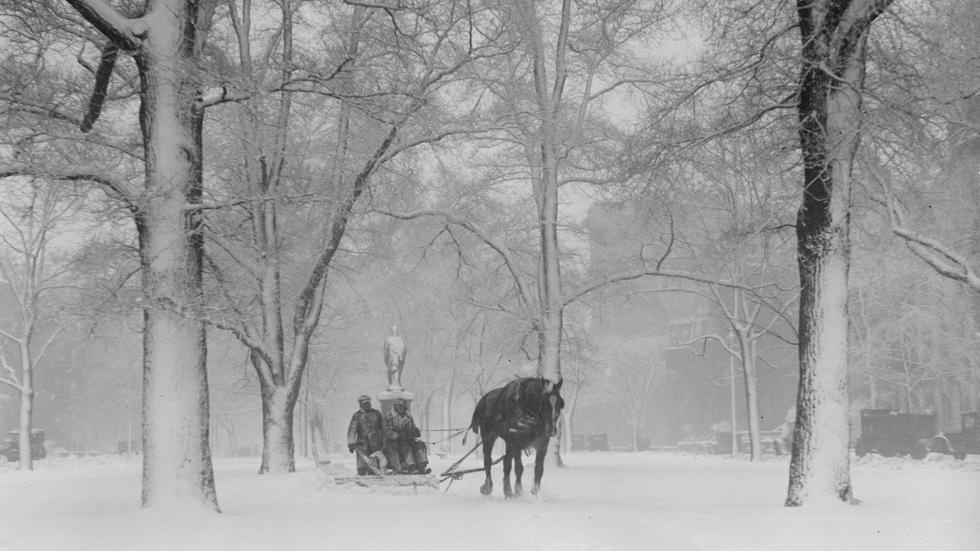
(365, 437)
(406, 454)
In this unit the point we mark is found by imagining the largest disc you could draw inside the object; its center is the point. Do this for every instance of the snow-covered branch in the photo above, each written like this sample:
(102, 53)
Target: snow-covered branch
(630, 276)
(11, 378)
(10, 336)
(125, 32)
(942, 258)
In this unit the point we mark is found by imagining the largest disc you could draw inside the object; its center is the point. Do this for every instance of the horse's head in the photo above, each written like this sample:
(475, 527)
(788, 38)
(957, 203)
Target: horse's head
(554, 404)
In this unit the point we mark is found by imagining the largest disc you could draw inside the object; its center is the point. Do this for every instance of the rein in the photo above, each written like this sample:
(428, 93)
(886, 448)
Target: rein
(449, 472)
(453, 475)
(450, 437)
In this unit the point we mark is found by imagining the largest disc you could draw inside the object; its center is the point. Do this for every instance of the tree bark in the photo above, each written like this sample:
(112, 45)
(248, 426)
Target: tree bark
(278, 455)
(834, 42)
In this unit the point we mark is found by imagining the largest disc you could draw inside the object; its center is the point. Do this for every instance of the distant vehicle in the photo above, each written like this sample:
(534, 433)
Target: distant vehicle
(715, 442)
(958, 444)
(890, 433)
(720, 442)
(10, 447)
(775, 441)
(590, 442)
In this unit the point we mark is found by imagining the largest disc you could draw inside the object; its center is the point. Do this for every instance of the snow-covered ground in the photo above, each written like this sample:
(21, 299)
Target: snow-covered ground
(600, 501)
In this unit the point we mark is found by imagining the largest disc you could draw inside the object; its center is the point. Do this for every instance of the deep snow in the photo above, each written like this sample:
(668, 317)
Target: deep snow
(600, 501)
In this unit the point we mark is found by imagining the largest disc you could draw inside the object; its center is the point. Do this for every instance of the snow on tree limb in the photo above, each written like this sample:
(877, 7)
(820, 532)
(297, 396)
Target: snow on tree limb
(10, 380)
(942, 258)
(125, 32)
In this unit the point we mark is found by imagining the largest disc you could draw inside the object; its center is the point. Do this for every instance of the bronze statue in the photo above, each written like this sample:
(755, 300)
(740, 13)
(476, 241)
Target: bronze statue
(395, 358)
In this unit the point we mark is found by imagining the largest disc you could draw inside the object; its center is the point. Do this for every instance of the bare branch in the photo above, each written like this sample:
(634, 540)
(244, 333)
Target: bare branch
(10, 336)
(118, 189)
(452, 219)
(106, 64)
(937, 255)
(54, 334)
(651, 273)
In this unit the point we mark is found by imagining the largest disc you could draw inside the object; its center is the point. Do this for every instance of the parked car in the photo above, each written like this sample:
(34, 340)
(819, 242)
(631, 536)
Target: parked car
(715, 442)
(958, 444)
(773, 441)
(590, 442)
(890, 433)
(10, 447)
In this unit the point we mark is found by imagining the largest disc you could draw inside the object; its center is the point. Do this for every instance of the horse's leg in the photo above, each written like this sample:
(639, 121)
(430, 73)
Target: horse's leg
(540, 451)
(508, 462)
(487, 487)
(518, 472)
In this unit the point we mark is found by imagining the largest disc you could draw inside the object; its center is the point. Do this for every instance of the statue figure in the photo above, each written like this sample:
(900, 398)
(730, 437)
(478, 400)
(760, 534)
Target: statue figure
(395, 358)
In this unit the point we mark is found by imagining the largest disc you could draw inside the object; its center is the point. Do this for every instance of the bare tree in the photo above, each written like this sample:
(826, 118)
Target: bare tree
(630, 380)
(742, 211)
(834, 45)
(914, 342)
(281, 263)
(935, 107)
(166, 41)
(37, 221)
(923, 157)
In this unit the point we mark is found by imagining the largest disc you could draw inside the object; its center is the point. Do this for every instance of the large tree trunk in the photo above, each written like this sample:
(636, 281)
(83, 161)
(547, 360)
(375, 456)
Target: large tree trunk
(176, 458)
(279, 387)
(277, 430)
(834, 41)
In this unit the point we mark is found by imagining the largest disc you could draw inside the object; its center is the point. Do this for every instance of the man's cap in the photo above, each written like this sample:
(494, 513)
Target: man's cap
(363, 398)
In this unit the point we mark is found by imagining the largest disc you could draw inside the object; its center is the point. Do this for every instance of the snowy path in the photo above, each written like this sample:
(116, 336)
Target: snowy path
(601, 501)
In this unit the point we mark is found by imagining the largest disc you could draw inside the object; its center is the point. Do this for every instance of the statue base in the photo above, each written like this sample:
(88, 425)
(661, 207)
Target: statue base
(388, 397)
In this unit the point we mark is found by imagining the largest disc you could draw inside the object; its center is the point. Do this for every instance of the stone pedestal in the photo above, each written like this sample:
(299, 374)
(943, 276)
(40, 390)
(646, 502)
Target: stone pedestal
(387, 399)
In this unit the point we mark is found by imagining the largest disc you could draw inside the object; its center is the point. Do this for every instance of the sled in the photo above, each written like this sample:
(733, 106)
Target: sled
(388, 481)
(380, 479)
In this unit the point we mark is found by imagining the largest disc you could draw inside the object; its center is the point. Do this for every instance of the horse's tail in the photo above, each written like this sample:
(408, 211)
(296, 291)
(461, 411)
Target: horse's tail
(474, 426)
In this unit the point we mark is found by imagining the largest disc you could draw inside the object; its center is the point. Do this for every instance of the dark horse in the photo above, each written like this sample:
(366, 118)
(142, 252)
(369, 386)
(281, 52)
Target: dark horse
(524, 414)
